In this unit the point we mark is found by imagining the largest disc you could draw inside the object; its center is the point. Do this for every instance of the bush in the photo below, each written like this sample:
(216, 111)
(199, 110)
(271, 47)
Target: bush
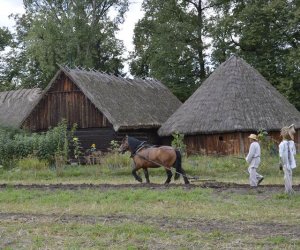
(178, 142)
(18, 144)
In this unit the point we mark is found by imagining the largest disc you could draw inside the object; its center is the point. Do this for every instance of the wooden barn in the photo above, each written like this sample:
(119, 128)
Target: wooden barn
(15, 104)
(104, 107)
(233, 102)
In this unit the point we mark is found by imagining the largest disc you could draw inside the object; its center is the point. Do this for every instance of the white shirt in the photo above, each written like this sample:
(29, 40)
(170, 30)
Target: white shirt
(287, 152)
(253, 157)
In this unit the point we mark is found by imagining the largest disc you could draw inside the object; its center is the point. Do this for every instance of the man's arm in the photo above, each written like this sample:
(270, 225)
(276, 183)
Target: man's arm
(251, 153)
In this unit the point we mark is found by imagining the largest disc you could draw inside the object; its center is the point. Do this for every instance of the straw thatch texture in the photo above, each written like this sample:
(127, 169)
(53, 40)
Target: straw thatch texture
(235, 97)
(126, 103)
(15, 105)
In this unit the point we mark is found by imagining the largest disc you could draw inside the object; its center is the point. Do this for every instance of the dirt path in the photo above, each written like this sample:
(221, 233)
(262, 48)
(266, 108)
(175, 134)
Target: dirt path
(218, 186)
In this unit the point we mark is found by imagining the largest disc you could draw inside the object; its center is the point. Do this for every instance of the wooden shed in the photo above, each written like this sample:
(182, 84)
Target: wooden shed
(104, 107)
(15, 104)
(233, 102)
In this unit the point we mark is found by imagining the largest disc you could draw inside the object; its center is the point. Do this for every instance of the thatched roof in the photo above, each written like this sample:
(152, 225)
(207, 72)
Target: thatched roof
(15, 105)
(126, 103)
(235, 97)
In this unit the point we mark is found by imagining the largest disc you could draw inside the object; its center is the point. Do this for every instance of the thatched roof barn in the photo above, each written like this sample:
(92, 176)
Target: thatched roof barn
(15, 104)
(234, 101)
(105, 107)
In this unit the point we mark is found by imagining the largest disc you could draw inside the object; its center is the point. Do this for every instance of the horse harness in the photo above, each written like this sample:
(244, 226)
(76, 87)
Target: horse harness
(137, 145)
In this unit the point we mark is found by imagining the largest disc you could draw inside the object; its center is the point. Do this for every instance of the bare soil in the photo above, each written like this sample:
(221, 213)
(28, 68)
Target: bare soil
(218, 186)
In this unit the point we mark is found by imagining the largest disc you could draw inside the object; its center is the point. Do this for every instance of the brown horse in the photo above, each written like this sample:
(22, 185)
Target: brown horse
(145, 156)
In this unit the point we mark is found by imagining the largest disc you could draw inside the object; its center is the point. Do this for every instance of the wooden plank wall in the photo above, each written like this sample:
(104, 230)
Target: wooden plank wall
(103, 136)
(148, 135)
(64, 100)
(99, 136)
(216, 144)
(225, 143)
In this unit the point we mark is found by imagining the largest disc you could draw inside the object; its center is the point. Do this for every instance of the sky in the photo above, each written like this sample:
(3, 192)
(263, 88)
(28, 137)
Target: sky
(135, 13)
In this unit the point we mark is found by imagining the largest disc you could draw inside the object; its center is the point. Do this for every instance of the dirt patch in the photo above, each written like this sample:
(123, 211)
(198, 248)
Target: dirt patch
(258, 230)
(218, 186)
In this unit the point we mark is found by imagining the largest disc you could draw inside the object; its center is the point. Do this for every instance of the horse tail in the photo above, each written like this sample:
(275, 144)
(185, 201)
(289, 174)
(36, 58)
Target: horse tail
(177, 165)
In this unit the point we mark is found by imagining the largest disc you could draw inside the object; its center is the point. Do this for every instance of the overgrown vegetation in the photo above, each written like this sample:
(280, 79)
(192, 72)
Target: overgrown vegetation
(113, 159)
(178, 142)
(116, 168)
(18, 144)
(268, 145)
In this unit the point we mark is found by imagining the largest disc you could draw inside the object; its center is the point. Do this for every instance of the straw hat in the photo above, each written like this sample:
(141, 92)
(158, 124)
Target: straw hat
(288, 132)
(253, 137)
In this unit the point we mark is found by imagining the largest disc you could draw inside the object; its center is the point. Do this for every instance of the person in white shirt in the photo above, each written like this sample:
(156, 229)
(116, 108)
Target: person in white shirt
(253, 159)
(287, 152)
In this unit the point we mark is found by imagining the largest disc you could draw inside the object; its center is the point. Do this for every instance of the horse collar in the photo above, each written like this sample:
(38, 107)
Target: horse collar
(135, 145)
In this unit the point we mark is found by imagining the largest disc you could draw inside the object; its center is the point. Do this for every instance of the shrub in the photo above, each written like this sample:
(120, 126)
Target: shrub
(178, 142)
(17, 144)
(114, 146)
(268, 146)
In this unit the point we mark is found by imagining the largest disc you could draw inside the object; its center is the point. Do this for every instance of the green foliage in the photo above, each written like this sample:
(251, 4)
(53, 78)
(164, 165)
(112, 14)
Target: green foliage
(115, 160)
(75, 145)
(268, 145)
(178, 142)
(77, 148)
(32, 162)
(266, 35)
(79, 33)
(5, 38)
(17, 144)
(169, 44)
(114, 146)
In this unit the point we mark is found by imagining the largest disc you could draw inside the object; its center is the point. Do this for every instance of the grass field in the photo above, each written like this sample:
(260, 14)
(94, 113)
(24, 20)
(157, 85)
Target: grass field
(116, 212)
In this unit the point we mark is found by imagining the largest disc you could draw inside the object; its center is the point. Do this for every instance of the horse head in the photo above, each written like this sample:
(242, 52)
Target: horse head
(124, 145)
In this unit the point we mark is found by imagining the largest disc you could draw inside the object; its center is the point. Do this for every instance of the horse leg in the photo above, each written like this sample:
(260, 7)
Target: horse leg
(179, 169)
(169, 174)
(146, 175)
(186, 180)
(139, 179)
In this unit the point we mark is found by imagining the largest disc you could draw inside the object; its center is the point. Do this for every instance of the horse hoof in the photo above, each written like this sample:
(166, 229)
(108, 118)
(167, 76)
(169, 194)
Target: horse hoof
(139, 180)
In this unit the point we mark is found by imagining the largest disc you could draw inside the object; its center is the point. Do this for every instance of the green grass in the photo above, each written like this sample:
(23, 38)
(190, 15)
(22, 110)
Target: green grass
(173, 203)
(145, 218)
(148, 218)
(228, 169)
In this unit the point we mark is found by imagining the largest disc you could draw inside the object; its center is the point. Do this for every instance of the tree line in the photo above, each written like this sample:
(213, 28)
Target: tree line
(179, 42)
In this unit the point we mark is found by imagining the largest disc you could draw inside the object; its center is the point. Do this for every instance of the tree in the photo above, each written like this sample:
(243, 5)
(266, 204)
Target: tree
(5, 38)
(169, 44)
(266, 34)
(73, 32)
